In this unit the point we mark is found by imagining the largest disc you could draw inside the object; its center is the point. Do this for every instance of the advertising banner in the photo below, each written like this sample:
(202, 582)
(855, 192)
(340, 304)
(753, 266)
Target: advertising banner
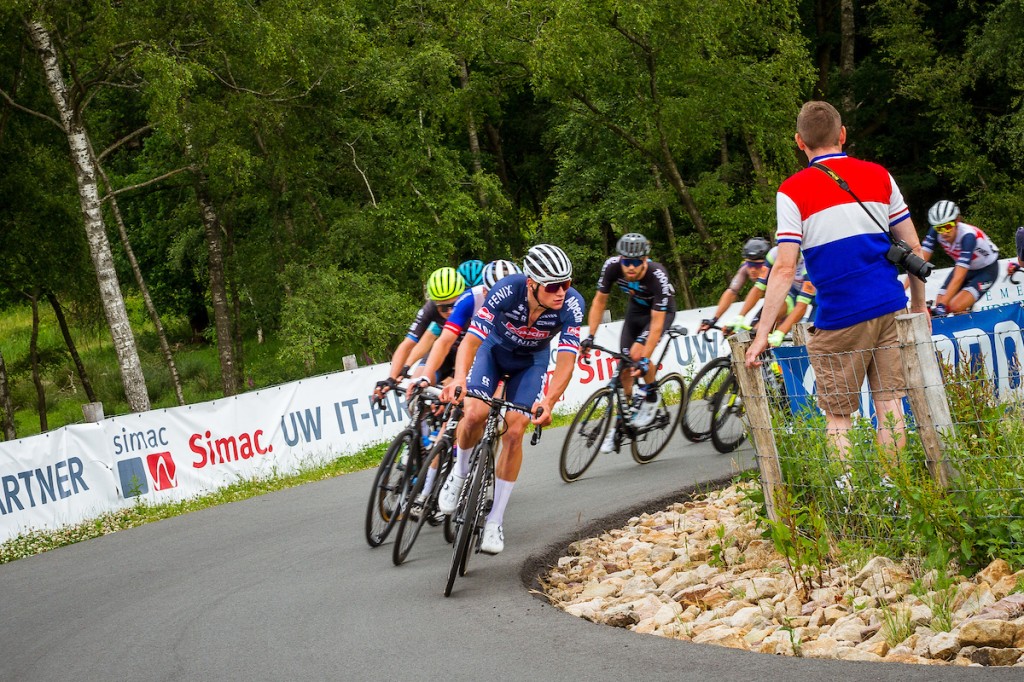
(77, 472)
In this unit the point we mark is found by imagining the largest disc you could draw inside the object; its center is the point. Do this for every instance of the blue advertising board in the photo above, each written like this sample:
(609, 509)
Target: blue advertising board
(989, 340)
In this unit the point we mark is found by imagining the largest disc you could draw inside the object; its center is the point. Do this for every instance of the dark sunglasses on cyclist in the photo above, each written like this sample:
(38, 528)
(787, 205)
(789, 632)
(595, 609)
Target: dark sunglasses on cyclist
(444, 307)
(555, 287)
(632, 262)
(945, 227)
(755, 263)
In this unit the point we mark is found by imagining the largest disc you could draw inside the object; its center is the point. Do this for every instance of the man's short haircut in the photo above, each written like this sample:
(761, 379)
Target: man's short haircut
(819, 124)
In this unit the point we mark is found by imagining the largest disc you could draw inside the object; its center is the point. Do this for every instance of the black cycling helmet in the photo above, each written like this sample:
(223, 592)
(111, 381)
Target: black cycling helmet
(756, 248)
(633, 245)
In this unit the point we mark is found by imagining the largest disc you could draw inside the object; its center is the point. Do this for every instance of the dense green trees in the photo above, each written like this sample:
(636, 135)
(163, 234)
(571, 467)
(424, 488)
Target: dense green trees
(294, 168)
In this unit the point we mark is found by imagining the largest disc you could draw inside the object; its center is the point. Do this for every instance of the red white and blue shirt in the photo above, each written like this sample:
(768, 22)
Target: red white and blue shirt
(504, 319)
(844, 250)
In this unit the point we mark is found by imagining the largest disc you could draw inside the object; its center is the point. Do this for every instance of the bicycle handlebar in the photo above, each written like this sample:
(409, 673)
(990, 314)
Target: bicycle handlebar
(499, 403)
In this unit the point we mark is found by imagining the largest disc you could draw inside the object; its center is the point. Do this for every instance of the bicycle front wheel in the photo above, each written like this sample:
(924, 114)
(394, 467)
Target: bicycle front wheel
(649, 441)
(467, 516)
(409, 528)
(696, 421)
(728, 427)
(389, 486)
(584, 437)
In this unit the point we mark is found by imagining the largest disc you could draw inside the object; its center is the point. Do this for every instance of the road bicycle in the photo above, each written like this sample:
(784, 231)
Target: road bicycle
(417, 512)
(608, 408)
(478, 492)
(714, 408)
(396, 473)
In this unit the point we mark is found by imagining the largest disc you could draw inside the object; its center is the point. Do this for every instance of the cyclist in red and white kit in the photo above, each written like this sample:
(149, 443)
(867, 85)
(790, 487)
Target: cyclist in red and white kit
(975, 258)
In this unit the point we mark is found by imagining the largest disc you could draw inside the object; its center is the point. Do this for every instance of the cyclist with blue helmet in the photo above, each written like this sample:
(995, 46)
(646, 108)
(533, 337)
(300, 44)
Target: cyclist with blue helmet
(472, 271)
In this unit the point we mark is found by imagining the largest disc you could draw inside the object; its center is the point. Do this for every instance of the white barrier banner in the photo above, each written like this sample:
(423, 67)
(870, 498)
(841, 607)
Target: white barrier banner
(78, 472)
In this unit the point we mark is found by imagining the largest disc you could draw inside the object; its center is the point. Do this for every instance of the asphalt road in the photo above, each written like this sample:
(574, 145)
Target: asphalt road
(283, 586)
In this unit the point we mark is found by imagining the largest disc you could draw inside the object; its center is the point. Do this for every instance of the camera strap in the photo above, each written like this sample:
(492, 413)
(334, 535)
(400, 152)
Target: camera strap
(846, 188)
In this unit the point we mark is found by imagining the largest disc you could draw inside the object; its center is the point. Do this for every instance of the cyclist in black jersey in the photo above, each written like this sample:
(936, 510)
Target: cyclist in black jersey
(444, 287)
(650, 311)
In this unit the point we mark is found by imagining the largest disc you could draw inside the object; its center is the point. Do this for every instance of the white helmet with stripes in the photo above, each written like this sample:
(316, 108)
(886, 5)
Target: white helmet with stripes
(944, 211)
(547, 264)
(498, 269)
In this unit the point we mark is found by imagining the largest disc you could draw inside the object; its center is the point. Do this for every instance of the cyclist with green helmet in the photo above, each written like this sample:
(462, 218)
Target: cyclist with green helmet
(444, 287)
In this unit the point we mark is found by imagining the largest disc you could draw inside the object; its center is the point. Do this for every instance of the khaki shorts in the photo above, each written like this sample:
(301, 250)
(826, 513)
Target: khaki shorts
(841, 358)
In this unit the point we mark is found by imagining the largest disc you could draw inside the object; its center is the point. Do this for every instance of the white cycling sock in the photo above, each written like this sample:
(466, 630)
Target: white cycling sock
(428, 485)
(502, 490)
(462, 461)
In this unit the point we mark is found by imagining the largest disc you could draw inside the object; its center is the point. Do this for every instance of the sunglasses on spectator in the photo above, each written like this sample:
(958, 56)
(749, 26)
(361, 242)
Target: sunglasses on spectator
(945, 227)
(555, 287)
(632, 262)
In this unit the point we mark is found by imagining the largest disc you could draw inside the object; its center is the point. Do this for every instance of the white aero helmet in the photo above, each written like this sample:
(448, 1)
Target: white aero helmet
(498, 269)
(547, 264)
(944, 211)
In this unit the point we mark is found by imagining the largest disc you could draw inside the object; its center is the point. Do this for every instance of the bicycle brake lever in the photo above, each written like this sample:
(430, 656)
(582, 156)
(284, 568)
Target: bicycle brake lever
(535, 438)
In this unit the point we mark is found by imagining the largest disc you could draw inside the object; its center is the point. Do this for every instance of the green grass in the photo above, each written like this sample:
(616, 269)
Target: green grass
(35, 542)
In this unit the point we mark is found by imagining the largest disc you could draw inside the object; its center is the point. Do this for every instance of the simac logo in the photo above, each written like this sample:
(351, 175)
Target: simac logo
(133, 474)
(162, 470)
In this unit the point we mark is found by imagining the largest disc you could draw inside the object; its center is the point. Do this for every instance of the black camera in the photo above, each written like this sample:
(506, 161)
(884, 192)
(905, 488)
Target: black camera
(901, 254)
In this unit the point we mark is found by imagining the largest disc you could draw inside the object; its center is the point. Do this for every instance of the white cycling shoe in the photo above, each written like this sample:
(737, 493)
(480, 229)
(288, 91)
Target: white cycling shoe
(645, 415)
(608, 444)
(493, 540)
(448, 499)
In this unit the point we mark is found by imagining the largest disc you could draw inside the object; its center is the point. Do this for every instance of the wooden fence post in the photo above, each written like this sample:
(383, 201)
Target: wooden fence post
(926, 391)
(755, 404)
(349, 362)
(801, 333)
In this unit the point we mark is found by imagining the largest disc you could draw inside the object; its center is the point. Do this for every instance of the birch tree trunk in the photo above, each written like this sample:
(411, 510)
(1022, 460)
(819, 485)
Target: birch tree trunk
(99, 246)
(6, 406)
(474, 138)
(154, 316)
(218, 288)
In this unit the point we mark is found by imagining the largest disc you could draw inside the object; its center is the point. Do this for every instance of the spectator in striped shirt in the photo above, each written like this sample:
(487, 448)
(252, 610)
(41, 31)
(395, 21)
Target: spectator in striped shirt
(858, 290)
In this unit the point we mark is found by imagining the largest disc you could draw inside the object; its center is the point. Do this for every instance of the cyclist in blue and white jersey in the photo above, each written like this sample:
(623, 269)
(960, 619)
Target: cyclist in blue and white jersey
(1011, 267)
(974, 255)
(444, 287)
(510, 335)
(650, 311)
(440, 364)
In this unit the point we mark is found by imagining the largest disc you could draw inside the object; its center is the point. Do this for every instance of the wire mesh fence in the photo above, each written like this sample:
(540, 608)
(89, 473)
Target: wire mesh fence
(933, 467)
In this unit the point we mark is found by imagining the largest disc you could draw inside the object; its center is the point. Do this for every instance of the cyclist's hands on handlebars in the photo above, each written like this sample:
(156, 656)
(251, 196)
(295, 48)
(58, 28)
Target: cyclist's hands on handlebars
(415, 384)
(454, 392)
(382, 389)
(586, 345)
(641, 367)
(706, 324)
(541, 413)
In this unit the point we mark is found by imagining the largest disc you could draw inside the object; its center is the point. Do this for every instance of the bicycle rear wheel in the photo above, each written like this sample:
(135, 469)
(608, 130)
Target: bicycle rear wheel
(584, 437)
(389, 487)
(649, 441)
(696, 421)
(728, 426)
(408, 528)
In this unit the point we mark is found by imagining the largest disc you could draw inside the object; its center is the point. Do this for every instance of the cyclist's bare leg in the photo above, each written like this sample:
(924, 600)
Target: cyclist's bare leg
(511, 457)
(889, 413)
(964, 300)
